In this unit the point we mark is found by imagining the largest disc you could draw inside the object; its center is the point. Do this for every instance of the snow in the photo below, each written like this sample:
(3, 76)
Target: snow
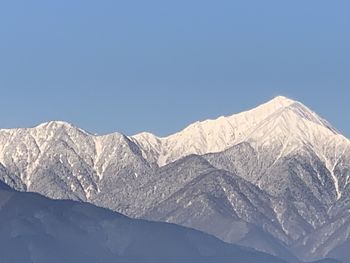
(281, 124)
(90, 167)
(99, 151)
(281, 119)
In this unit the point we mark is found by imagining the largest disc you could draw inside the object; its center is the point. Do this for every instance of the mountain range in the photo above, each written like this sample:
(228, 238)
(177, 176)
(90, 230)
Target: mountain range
(274, 178)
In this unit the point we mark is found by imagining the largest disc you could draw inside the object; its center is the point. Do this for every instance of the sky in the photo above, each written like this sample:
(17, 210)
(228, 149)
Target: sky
(157, 66)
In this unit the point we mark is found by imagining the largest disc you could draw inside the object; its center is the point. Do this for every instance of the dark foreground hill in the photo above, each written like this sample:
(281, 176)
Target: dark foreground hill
(36, 229)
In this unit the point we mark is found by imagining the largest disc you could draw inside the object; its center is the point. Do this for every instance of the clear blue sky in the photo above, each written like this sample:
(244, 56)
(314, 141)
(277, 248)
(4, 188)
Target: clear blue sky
(130, 66)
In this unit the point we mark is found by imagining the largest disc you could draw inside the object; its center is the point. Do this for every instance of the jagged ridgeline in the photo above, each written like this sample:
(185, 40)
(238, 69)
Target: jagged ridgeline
(275, 178)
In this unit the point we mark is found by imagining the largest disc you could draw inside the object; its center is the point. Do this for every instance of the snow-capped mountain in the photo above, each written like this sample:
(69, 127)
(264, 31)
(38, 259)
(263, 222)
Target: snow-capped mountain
(276, 177)
(281, 120)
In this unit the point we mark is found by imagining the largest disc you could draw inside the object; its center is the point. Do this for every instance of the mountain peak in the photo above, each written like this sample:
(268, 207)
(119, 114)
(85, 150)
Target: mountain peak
(272, 106)
(282, 100)
(280, 117)
(60, 124)
(55, 123)
(281, 106)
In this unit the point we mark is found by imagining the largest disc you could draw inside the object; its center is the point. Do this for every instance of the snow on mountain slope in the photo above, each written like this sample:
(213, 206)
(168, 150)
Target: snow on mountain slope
(73, 163)
(280, 127)
(280, 120)
(217, 202)
(208, 136)
(279, 157)
(283, 138)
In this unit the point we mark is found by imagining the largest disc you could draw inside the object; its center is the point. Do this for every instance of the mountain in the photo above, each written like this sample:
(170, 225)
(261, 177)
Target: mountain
(273, 121)
(35, 229)
(275, 178)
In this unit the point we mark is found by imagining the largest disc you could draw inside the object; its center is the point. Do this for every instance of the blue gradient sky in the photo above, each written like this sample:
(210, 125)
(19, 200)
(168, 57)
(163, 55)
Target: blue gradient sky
(151, 65)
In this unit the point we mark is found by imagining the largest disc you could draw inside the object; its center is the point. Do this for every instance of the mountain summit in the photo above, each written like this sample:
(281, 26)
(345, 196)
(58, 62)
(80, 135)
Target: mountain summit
(280, 119)
(275, 178)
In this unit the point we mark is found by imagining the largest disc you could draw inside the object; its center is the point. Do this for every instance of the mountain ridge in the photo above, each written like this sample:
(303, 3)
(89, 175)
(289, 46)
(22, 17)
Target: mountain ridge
(280, 160)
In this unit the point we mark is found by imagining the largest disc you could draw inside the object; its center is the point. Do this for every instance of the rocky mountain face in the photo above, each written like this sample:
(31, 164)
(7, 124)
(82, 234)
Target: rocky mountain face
(276, 178)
